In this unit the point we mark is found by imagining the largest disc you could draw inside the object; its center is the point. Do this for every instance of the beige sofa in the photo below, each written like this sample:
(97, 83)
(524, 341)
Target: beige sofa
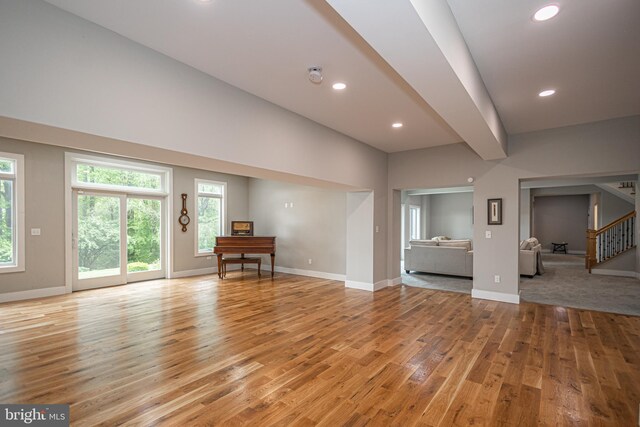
(529, 258)
(453, 257)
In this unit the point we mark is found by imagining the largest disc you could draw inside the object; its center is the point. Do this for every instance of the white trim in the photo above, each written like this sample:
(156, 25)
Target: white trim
(201, 271)
(309, 273)
(197, 272)
(164, 195)
(363, 286)
(129, 191)
(117, 163)
(68, 223)
(19, 240)
(33, 293)
(569, 252)
(495, 296)
(380, 285)
(394, 282)
(619, 273)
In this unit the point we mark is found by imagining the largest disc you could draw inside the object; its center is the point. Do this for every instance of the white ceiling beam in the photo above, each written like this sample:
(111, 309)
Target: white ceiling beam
(421, 40)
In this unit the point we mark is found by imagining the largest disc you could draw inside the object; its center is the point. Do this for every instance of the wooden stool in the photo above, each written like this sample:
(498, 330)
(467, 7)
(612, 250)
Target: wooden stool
(242, 261)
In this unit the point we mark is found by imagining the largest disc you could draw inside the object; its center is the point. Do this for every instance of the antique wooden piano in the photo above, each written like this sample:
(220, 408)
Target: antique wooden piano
(244, 245)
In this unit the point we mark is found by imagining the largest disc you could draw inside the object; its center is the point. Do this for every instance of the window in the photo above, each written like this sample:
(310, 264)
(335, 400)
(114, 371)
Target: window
(112, 176)
(210, 214)
(11, 212)
(414, 222)
(88, 172)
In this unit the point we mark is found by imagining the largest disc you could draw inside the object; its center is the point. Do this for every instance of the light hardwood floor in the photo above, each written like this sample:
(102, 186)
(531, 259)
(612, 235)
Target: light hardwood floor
(302, 351)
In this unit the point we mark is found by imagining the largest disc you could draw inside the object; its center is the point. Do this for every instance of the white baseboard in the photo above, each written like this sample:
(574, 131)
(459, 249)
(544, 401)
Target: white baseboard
(364, 286)
(197, 272)
(495, 296)
(619, 273)
(394, 282)
(308, 273)
(570, 252)
(33, 293)
(380, 285)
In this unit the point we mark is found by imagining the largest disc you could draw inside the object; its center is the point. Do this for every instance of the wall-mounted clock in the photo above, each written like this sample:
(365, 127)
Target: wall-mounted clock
(184, 218)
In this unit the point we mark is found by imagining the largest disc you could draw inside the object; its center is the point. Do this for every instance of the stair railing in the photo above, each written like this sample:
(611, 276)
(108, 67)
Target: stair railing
(611, 240)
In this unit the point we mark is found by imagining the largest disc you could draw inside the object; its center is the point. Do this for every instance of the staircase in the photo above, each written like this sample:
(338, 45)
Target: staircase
(611, 240)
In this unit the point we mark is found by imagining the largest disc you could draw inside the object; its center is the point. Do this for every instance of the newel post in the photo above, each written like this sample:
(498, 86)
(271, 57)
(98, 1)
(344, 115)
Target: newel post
(590, 258)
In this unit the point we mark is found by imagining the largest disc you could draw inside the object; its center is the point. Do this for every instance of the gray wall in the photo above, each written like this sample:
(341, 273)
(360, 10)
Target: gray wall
(44, 209)
(562, 219)
(451, 215)
(314, 228)
(602, 148)
(612, 207)
(122, 91)
(623, 262)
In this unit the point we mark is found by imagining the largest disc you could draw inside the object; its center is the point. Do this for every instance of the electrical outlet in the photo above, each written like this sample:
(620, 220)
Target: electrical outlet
(310, 261)
(487, 234)
(496, 278)
(35, 231)
(208, 257)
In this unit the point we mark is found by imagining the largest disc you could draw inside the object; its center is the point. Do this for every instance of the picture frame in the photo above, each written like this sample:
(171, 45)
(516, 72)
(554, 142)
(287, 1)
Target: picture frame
(242, 228)
(494, 211)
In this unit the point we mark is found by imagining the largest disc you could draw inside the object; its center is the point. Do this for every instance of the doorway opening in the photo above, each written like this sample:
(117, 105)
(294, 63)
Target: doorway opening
(436, 230)
(560, 214)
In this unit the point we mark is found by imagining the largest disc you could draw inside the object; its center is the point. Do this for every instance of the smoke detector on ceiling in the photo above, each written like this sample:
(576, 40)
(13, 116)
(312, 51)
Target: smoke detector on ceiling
(315, 75)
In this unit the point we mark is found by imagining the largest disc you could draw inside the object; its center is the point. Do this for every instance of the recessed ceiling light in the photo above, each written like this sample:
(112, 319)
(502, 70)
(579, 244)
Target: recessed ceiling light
(546, 12)
(397, 125)
(547, 92)
(339, 86)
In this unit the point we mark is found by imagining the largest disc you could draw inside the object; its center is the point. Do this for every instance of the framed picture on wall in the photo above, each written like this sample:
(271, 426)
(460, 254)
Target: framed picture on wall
(494, 210)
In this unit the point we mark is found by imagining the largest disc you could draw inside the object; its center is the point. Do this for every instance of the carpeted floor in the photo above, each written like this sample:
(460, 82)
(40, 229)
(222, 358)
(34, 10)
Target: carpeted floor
(438, 282)
(565, 283)
(568, 284)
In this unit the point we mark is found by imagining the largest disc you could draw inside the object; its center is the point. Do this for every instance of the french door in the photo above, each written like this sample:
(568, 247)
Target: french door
(117, 239)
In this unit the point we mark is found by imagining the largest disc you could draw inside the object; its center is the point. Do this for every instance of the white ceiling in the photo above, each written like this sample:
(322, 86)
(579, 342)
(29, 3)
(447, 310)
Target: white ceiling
(589, 53)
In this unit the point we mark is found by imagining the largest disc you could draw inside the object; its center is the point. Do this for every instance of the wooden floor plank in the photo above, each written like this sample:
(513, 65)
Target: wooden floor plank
(304, 351)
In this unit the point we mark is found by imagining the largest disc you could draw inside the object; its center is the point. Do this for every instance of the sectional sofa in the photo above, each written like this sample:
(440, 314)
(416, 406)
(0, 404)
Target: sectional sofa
(442, 255)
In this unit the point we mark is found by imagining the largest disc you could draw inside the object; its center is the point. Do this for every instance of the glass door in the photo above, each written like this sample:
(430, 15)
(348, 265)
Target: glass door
(98, 239)
(145, 238)
(117, 239)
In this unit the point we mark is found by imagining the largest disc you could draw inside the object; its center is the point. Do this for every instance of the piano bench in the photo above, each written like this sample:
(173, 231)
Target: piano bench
(242, 262)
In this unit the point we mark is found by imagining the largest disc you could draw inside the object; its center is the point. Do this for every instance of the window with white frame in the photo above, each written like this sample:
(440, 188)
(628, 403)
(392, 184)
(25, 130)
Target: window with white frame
(209, 214)
(11, 212)
(98, 173)
(414, 222)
